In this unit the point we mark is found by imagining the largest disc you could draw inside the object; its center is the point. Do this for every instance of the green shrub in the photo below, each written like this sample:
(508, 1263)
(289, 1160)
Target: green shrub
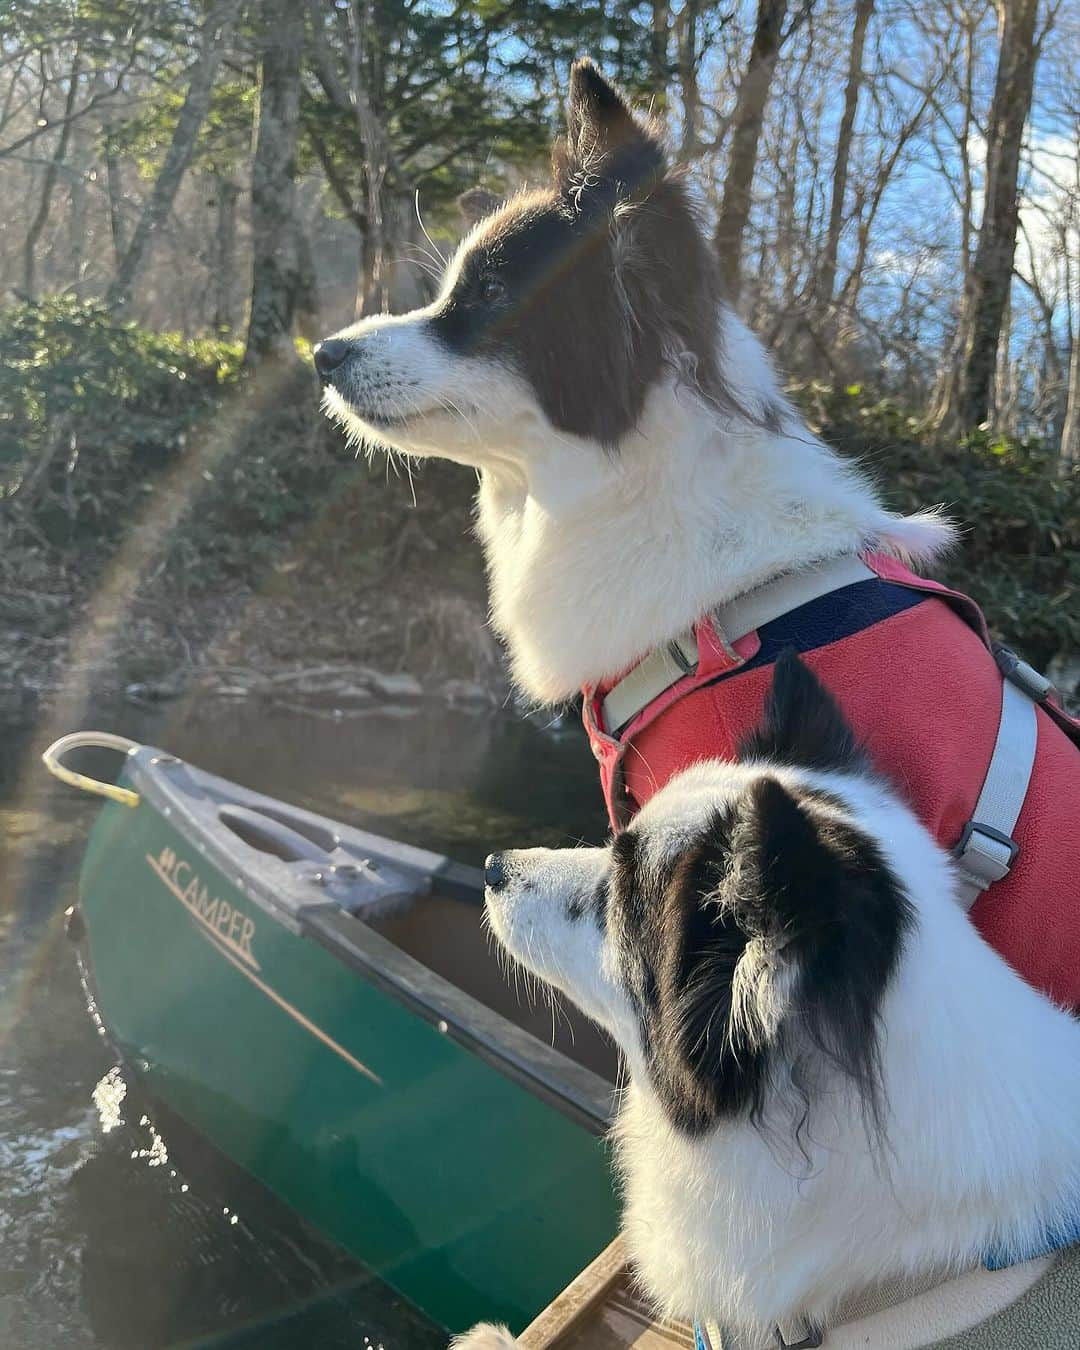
(103, 423)
(91, 407)
(1020, 555)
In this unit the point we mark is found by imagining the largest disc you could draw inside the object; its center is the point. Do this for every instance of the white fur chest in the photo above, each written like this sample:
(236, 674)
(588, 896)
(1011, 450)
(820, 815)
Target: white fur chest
(707, 1221)
(594, 559)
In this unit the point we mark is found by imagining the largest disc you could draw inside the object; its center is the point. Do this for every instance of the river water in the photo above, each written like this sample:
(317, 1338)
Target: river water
(117, 1230)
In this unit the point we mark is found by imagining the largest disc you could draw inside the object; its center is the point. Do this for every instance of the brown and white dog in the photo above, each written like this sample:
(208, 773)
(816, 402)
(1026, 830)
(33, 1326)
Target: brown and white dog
(638, 462)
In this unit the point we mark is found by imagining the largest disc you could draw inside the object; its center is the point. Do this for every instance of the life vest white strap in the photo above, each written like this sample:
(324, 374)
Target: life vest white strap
(987, 849)
(744, 614)
(749, 612)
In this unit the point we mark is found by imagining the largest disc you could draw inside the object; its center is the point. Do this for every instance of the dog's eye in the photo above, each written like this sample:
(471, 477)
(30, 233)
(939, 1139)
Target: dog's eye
(492, 289)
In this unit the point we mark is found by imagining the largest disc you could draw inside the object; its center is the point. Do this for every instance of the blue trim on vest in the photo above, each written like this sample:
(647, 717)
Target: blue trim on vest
(833, 617)
(830, 618)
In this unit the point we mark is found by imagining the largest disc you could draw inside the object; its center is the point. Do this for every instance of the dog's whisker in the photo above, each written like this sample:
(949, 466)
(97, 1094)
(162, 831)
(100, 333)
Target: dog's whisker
(420, 221)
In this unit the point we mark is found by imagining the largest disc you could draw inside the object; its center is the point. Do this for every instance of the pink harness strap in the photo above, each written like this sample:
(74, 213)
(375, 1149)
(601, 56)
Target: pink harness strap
(923, 692)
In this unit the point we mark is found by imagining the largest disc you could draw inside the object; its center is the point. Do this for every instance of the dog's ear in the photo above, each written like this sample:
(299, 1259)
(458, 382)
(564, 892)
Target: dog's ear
(701, 1071)
(818, 894)
(748, 883)
(802, 724)
(786, 869)
(596, 113)
(791, 907)
(476, 203)
(608, 155)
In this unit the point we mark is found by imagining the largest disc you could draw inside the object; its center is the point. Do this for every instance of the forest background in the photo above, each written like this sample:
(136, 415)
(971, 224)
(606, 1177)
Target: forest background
(192, 193)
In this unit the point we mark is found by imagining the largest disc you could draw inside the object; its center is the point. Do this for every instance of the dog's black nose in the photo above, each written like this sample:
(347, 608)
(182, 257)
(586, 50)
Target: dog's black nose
(330, 354)
(495, 872)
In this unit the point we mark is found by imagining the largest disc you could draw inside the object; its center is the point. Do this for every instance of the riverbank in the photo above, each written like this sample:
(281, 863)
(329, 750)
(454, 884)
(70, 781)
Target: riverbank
(226, 539)
(303, 634)
(169, 523)
(306, 631)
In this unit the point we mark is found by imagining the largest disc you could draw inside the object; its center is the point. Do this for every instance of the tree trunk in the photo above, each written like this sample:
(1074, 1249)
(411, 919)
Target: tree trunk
(1051, 384)
(827, 277)
(943, 394)
(1070, 432)
(686, 51)
(1004, 394)
(364, 97)
(77, 213)
(215, 35)
(1070, 436)
(275, 275)
(225, 254)
(52, 171)
(114, 186)
(987, 285)
(967, 223)
(308, 320)
(380, 263)
(658, 44)
(746, 125)
(375, 296)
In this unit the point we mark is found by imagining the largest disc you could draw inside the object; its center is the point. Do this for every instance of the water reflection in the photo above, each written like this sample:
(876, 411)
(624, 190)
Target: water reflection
(213, 1261)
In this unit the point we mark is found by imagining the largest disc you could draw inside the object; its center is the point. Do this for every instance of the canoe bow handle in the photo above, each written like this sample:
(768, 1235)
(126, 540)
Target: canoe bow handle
(101, 740)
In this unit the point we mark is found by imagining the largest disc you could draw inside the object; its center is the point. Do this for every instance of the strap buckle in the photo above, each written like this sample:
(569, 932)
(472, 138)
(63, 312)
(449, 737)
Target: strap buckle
(674, 660)
(683, 650)
(815, 1336)
(987, 854)
(1037, 687)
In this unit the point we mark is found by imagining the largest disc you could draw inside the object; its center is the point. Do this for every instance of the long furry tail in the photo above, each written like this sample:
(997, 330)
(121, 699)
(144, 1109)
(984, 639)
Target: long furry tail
(921, 538)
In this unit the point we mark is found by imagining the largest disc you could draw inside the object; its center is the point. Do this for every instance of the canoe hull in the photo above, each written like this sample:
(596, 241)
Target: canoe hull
(467, 1192)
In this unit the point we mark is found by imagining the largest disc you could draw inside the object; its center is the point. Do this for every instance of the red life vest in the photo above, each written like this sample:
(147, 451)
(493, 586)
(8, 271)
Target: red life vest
(910, 663)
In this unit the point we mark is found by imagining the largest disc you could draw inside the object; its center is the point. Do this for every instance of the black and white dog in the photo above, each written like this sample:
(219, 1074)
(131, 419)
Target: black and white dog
(629, 432)
(833, 1080)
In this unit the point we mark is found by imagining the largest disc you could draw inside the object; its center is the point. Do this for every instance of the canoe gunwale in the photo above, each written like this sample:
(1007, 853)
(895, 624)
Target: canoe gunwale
(188, 799)
(573, 1089)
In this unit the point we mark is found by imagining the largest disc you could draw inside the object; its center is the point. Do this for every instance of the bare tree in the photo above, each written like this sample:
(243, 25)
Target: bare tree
(746, 124)
(864, 10)
(1070, 435)
(363, 68)
(841, 162)
(1070, 248)
(42, 126)
(275, 264)
(214, 36)
(891, 150)
(986, 286)
(33, 234)
(227, 191)
(1050, 396)
(688, 54)
(353, 95)
(659, 35)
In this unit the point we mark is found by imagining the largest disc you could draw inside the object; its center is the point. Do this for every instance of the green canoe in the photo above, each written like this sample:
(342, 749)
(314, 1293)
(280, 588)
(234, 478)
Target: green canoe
(321, 1003)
